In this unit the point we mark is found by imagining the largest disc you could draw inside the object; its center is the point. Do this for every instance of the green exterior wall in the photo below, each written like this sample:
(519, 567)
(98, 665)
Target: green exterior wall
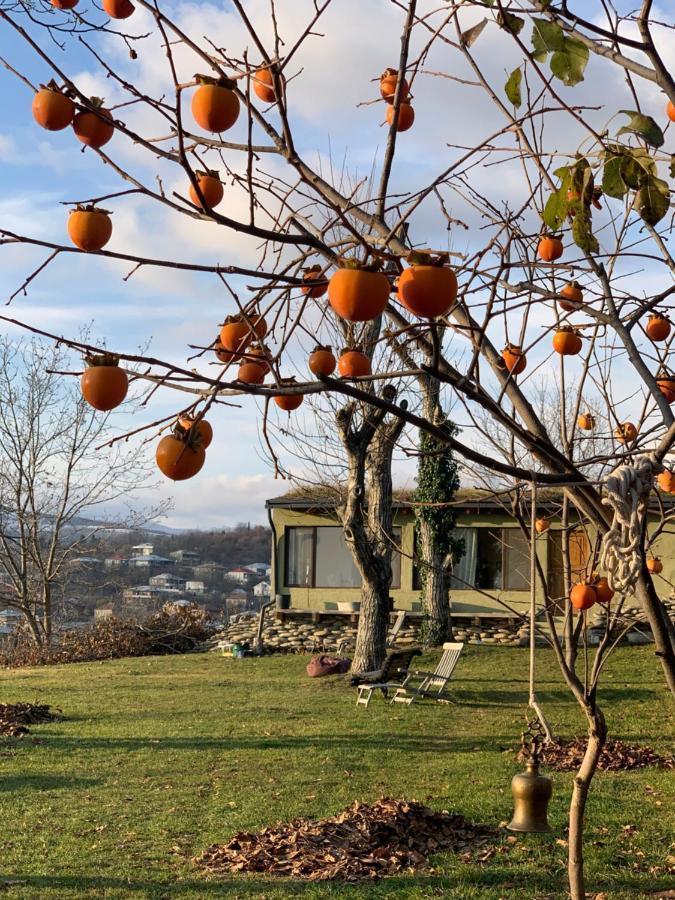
(469, 602)
(464, 602)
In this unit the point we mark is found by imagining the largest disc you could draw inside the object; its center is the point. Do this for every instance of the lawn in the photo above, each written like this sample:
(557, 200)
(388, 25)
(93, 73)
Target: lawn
(157, 758)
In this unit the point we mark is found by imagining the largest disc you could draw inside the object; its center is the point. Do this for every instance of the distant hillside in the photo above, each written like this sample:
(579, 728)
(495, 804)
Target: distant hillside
(230, 547)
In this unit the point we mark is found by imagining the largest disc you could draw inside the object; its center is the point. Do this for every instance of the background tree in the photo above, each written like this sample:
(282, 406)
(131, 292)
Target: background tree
(57, 478)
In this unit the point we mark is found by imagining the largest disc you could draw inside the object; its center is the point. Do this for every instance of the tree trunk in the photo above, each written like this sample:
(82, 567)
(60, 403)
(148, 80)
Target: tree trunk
(435, 600)
(371, 637)
(437, 481)
(597, 734)
(367, 520)
(33, 625)
(47, 614)
(656, 616)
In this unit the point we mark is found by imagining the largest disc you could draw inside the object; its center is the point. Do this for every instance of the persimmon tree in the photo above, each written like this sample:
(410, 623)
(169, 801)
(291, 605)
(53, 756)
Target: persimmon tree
(555, 211)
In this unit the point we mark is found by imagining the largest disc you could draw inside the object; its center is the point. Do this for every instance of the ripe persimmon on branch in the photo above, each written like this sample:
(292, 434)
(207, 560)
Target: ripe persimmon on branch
(525, 239)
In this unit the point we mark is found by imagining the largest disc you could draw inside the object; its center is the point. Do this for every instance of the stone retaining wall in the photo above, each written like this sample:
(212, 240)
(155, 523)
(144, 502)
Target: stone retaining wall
(337, 634)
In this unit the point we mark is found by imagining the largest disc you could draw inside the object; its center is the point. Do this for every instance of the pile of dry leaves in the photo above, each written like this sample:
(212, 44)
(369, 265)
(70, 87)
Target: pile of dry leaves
(362, 842)
(14, 717)
(566, 756)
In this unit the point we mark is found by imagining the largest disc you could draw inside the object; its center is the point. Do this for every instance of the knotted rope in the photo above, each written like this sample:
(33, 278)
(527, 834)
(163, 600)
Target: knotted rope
(628, 488)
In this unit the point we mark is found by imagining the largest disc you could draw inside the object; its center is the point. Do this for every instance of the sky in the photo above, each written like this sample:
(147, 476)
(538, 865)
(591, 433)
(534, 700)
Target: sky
(165, 311)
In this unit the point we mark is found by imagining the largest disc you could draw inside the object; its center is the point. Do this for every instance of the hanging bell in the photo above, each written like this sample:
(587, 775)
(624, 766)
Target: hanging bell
(531, 795)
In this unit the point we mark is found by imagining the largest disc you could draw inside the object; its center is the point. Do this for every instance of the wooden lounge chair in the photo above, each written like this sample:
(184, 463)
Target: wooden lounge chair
(398, 624)
(430, 684)
(390, 675)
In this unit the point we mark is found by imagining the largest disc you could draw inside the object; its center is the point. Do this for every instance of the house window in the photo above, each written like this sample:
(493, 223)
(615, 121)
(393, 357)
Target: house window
(319, 557)
(299, 556)
(334, 566)
(502, 560)
(463, 569)
(494, 559)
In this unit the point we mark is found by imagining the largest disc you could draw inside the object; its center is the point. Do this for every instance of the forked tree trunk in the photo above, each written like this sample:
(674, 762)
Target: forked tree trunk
(597, 734)
(367, 520)
(371, 637)
(660, 626)
(435, 601)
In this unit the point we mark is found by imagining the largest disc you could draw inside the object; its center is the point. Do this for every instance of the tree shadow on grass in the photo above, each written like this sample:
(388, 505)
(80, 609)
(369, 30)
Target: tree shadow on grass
(518, 697)
(386, 741)
(12, 783)
(505, 879)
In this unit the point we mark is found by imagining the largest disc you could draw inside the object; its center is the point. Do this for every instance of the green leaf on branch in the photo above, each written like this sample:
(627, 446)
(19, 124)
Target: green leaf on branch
(555, 211)
(512, 87)
(511, 23)
(570, 56)
(652, 201)
(582, 230)
(569, 64)
(644, 126)
(672, 166)
(637, 167)
(613, 183)
(547, 37)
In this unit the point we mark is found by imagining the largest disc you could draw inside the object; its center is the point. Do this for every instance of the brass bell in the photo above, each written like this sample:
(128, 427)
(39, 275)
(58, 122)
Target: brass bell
(531, 795)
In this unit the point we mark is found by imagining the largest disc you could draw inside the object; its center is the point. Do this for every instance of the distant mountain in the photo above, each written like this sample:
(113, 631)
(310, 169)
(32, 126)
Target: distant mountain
(83, 526)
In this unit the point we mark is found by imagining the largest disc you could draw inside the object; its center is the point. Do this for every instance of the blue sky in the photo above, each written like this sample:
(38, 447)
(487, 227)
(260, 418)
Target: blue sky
(166, 311)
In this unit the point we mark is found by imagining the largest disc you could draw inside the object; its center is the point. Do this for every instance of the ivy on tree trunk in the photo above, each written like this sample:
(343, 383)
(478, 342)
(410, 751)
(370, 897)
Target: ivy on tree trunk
(436, 547)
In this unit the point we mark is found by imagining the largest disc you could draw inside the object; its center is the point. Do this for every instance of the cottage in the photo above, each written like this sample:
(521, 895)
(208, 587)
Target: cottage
(194, 587)
(143, 550)
(262, 590)
(116, 561)
(208, 570)
(147, 593)
(167, 580)
(186, 557)
(313, 569)
(150, 561)
(242, 574)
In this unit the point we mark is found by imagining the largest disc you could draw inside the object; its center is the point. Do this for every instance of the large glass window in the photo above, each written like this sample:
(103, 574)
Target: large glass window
(319, 557)
(463, 569)
(503, 561)
(494, 559)
(334, 564)
(299, 556)
(489, 559)
(516, 560)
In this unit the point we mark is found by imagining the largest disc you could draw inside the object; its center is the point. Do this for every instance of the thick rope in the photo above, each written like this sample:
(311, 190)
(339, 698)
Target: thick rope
(628, 488)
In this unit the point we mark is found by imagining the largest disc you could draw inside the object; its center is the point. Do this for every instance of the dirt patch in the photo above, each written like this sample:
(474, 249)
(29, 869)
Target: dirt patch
(361, 843)
(566, 756)
(15, 717)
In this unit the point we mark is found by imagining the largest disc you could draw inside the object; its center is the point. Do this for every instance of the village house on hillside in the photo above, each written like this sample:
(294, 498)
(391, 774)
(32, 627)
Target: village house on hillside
(186, 557)
(262, 590)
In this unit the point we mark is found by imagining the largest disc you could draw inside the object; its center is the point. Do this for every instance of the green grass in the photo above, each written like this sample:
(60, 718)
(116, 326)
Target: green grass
(157, 758)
